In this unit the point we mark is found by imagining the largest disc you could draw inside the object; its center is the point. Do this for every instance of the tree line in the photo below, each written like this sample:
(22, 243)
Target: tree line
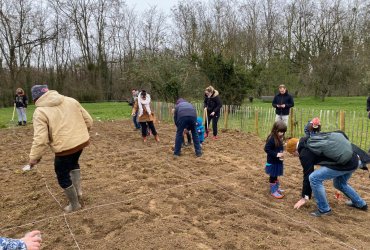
(98, 50)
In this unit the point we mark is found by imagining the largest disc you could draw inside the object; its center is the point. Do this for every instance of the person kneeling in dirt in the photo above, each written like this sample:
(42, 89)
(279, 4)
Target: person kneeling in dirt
(313, 179)
(185, 117)
(63, 124)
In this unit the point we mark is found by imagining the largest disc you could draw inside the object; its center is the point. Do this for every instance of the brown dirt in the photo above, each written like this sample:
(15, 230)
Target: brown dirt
(136, 196)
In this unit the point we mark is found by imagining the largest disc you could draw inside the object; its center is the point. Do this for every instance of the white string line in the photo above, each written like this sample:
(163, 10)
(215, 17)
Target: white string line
(278, 212)
(286, 216)
(47, 187)
(69, 228)
(119, 202)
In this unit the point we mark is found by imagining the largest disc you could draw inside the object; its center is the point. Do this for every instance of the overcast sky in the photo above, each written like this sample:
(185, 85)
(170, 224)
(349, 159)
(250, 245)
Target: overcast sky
(141, 5)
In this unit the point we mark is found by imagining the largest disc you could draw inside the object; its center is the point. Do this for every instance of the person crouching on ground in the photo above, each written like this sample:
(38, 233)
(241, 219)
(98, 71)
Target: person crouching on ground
(185, 117)
(274, 148)
(63, 124)
(145, 114)
(313, 179)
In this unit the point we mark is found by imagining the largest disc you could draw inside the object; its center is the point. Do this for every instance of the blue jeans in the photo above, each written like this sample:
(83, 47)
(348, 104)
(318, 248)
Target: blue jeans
(136, 123)
(340, 179)
(187, 122)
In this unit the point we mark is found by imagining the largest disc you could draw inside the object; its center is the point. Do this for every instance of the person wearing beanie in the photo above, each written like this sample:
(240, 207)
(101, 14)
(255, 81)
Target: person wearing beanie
(282, 103)
(313, 179)
(20, 103)
(63, 124)
(275, 157)
(212, 105)
(312, 127)
(185, 117)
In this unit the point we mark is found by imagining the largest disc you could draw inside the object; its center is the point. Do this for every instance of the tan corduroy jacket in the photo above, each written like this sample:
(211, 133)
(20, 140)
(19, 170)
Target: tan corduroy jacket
(145, 117)
(59, 122)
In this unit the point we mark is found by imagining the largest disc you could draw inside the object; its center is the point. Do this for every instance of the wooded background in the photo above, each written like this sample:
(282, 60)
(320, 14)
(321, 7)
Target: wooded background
(97, 50)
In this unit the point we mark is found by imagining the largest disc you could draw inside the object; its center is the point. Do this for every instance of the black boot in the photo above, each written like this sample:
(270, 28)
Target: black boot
(24, 123)
(19, 123)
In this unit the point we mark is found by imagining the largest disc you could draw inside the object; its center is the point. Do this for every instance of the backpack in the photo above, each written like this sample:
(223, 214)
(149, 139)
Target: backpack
(333, 145)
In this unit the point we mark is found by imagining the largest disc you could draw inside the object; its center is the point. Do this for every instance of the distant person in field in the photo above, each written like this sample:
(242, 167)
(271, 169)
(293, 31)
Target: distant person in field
(63, 124)
(274, 148)
(368, 107)
(185, 117)
(313, 179)
(21, 102)
(145, 115)
(312, 127)
(134, 95)
(282, 103)
(213, 105)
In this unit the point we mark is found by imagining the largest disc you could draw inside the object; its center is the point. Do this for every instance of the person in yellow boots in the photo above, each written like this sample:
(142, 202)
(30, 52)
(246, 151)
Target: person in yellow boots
(63, 124)
(145, 115)
(274, 149)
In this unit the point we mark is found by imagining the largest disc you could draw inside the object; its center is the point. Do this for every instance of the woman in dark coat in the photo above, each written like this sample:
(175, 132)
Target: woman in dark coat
(213, 105)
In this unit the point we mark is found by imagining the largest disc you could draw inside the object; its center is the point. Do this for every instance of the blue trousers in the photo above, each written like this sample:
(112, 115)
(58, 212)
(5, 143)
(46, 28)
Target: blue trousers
(136, 123)
(340, 179)
(187, 122)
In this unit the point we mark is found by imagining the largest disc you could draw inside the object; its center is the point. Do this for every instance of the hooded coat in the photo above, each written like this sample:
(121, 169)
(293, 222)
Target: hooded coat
(59, 122)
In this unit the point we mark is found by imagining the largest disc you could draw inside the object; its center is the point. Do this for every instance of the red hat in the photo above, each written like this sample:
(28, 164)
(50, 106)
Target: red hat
(315, 122)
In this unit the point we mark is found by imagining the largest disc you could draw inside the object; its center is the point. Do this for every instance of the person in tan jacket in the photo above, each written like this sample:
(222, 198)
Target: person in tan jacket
(145, 115)
(61, 123)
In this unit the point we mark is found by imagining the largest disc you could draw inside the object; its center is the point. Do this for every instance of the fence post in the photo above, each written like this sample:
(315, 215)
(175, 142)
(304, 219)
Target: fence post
(291, 122)
(342, 120)
(226, 116)
(256, 121)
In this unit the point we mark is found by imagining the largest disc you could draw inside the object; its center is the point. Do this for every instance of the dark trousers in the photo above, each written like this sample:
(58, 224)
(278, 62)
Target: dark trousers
(65, 164)
(187, 122)
(214, 120)
(144, 128)
(136, 123)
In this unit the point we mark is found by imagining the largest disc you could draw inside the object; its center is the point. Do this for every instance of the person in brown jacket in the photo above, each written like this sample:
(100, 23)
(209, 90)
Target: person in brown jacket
(63, 124)
(145, 115)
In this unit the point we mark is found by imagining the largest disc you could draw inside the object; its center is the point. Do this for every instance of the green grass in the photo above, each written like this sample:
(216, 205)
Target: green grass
(121, 110)
(98, 111)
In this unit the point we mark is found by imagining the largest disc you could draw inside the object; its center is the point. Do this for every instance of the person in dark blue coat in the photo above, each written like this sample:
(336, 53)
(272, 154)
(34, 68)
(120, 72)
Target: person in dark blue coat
(282, 103)
(185, 117)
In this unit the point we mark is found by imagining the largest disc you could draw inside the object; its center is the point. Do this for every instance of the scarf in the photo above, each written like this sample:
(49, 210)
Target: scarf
(141, 102)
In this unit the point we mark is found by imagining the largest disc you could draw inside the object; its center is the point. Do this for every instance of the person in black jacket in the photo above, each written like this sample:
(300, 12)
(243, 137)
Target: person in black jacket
(213, 105)
(21, 102)
(282, 103)
(313, 179)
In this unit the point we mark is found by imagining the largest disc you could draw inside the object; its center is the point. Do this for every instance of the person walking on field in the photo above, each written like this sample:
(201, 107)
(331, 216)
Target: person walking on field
(21, 102)
(63, 124)
(213, 105)
(275, 156)
(282, 103)
(185, 117)
(145, 115)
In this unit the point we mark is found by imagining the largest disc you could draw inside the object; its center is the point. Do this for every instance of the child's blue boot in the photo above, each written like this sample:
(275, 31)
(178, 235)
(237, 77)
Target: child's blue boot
(274, 191)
